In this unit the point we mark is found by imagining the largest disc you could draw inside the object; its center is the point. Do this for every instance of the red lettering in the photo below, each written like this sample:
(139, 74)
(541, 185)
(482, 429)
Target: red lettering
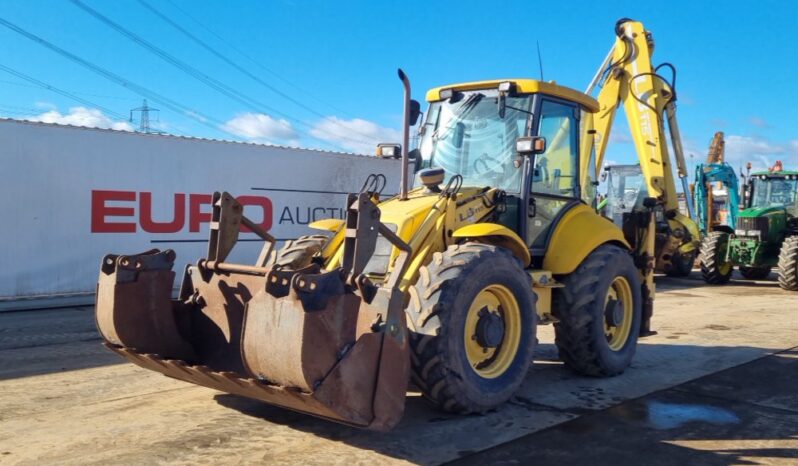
(99, 210)
(264, 203)
(195, 214)
(151, 226)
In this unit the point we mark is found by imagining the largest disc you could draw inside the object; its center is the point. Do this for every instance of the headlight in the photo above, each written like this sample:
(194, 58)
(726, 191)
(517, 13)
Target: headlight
(739, 232)
(754, 232)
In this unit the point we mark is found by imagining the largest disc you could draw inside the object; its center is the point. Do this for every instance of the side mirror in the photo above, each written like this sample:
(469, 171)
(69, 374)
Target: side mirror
(505, 88)
(415, 158)
(415, 112)
(530, 145)
(389, 151)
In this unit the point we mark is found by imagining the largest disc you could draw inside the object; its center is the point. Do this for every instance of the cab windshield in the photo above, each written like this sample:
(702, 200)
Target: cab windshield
(467, 136)
(776, 190)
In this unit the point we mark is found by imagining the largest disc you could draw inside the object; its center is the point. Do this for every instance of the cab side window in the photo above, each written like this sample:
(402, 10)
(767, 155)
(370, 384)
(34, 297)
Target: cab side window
(555, 175)
(556, 171)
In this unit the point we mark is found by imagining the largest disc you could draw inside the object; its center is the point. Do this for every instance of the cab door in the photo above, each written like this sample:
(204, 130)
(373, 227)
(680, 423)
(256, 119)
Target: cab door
(553, 180)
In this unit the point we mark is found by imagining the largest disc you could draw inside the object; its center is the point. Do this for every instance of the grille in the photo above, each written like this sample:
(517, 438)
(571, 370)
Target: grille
(754, 223)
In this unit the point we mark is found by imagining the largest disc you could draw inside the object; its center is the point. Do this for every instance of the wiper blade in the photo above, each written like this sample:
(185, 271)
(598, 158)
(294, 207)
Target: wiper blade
(470, 103)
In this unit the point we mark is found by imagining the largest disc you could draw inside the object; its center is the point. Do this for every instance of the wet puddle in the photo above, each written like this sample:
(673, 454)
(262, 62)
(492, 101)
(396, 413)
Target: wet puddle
(672, 415)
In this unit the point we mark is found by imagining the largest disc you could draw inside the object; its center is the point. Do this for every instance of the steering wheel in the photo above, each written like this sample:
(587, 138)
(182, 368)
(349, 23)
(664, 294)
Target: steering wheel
(483, 161)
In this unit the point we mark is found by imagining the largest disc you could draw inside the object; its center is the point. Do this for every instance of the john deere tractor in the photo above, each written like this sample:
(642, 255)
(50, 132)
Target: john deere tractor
(765, 236)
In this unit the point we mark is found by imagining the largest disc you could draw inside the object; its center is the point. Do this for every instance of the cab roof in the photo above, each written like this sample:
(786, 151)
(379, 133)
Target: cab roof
(522, 86)
(780, 172)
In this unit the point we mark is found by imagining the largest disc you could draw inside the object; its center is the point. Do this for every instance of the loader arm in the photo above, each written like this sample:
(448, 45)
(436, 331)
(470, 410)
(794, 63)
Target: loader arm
(627, 78)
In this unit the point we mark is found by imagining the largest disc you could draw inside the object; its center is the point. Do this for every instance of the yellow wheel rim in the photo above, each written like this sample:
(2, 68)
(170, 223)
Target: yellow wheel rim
(492, 332)
(726, 268)
(618, 313)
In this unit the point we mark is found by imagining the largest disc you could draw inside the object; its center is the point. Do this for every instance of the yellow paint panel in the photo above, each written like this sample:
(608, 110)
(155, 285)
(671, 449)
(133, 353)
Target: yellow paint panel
(499, 235)
(523, 86)
(578, 233)
(328, 224)
(692, 228)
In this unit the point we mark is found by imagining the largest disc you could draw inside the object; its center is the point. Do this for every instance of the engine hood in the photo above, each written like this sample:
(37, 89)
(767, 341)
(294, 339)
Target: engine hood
(762, 211)
(408, 215)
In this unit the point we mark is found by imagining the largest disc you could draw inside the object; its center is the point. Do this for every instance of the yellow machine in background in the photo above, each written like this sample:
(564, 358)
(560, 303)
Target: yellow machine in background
(443, 284)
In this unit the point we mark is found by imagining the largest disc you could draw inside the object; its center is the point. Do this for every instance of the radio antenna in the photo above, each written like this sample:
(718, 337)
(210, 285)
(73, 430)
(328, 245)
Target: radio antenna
(540, 60)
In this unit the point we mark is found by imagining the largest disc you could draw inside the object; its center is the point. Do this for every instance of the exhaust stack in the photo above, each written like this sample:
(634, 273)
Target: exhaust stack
(405, 136)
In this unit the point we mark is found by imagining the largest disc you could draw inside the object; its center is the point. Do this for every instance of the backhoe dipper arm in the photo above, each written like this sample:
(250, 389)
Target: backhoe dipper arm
(627, 78)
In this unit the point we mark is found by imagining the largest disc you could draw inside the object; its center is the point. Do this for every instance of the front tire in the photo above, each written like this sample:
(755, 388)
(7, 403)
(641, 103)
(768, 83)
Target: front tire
(599, 312)
(788, 264)
(714, 268)
(754, 273)
(472, 328)
(298, 253)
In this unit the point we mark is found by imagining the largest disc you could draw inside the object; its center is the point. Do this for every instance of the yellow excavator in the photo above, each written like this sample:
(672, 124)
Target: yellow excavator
(442, 286)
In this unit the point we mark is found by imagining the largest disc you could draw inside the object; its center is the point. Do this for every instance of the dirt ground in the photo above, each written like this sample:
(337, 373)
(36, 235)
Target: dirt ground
(65, 399)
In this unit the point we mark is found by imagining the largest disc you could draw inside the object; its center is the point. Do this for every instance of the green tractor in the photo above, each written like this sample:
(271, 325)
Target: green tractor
(765, 235)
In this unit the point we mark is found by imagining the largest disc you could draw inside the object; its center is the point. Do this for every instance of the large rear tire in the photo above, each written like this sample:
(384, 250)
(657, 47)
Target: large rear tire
(298, 253)
(714, 268)
(472, 326)
(788, 264)
(599, 312)
(754, 273)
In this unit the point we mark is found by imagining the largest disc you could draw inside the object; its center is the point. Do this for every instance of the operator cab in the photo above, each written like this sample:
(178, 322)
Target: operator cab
(626, 191)
(774, 189)
(472, 130)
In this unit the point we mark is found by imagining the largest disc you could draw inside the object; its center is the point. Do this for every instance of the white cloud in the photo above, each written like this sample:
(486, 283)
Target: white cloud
(81, 116)
(759, 122)
(196, 116)
(358, 135)
(761, 152)
(45, 106)
(259, 127)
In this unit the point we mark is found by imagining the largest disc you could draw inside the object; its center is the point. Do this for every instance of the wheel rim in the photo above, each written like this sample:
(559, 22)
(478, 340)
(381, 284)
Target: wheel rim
(618, 313)
(724, 267)
(492, 331)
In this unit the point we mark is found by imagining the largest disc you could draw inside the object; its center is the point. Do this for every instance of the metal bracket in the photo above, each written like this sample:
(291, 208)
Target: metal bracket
(226, 221)
(127, 267)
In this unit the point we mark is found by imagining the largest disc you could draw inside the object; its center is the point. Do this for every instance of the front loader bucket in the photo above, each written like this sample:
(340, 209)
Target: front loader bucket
(305, 340)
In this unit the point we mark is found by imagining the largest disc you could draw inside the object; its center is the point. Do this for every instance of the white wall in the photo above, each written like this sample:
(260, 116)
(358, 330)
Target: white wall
(59, 182)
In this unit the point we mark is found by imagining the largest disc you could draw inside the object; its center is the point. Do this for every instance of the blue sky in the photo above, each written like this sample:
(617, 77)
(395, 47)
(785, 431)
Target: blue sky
(337, 61)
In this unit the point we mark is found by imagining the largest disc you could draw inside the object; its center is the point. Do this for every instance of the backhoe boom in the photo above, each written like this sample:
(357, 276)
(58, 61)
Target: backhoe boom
(627, 78)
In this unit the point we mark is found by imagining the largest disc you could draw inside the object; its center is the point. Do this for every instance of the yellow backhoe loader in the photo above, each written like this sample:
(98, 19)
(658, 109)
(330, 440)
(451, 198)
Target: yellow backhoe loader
(442, 285)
